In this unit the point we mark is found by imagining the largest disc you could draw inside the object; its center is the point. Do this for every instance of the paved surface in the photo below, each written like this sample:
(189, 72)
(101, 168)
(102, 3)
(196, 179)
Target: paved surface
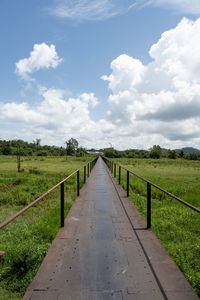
(103, 253)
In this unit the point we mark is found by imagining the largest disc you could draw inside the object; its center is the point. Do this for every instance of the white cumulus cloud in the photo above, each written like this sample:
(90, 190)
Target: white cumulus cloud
(127, 72)
(161, 98)
(54, 119)
(42, 56)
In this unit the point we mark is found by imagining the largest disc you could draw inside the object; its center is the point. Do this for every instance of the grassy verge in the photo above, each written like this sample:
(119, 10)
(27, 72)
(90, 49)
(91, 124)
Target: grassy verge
(27, 240)
(177, 227)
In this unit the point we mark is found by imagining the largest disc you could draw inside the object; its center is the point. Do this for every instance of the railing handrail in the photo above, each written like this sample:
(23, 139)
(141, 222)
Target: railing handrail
(24, 209)
(159, 188)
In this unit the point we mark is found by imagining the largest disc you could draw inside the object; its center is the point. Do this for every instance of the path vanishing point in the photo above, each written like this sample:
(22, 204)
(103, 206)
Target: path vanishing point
(105, 252)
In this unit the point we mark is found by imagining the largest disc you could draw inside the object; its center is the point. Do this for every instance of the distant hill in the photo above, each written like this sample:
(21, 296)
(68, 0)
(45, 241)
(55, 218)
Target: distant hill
(190, 150)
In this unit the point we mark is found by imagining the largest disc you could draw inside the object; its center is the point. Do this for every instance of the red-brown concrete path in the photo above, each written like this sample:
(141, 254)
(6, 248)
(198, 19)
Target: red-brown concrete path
(104, 252)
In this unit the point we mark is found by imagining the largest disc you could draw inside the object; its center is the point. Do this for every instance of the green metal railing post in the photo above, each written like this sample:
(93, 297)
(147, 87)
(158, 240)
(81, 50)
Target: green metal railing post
(78, 183)
(148, 205)
(62, 205)
(114, 169)
(84, 174)
(127, 183)
(119, 174)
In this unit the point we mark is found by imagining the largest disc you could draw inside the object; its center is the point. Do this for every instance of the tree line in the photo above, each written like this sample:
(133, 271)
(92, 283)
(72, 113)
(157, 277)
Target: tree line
(22, 148)
(154, 152)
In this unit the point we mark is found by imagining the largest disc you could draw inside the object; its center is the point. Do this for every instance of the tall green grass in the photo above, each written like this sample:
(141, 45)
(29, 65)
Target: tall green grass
(177, 226)
(28, 238)
(179, 176)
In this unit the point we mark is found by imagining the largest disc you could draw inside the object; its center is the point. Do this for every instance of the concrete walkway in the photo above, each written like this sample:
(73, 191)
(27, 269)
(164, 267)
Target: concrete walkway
(104, 252)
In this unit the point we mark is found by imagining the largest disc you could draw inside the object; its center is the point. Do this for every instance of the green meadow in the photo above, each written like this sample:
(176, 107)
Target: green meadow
(177, 226)
(27, 239)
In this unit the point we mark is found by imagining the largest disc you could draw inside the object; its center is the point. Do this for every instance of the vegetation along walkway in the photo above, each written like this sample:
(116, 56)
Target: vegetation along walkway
(104, 252)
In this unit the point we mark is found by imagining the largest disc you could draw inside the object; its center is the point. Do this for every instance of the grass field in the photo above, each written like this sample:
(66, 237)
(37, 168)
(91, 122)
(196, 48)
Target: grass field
(27, 239)
(177, 226)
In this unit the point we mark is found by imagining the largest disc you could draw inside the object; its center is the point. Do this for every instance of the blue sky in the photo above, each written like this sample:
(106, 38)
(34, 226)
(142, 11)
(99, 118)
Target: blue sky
(86, 37)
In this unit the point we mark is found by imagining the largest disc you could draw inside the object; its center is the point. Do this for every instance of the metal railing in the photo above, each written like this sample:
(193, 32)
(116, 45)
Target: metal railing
(86, 172)
(113, 168)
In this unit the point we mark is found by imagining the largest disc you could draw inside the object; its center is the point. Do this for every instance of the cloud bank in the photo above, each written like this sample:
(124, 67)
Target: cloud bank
(156, 103)
(54, 118)
(162, 98)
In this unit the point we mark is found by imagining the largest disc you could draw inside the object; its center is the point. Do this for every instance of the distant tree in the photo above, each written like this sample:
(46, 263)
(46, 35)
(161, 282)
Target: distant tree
(62, 151)
(71, 146)
(42, 153)
(171, 154)
(111, 152)
(81, 151)
(155, 152)
(6, 149)
(181, 153)
(12, 148)
(37, 142)
(18, 157)
(192, 156)
(143, 154)
(92, 150)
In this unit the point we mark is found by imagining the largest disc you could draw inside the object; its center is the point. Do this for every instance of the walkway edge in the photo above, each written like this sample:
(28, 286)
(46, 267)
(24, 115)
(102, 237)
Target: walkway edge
(174, 286)
(64, 234)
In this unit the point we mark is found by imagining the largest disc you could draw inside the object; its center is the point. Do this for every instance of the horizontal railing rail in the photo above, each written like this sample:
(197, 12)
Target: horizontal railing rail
(113, 168)
(87, 170)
